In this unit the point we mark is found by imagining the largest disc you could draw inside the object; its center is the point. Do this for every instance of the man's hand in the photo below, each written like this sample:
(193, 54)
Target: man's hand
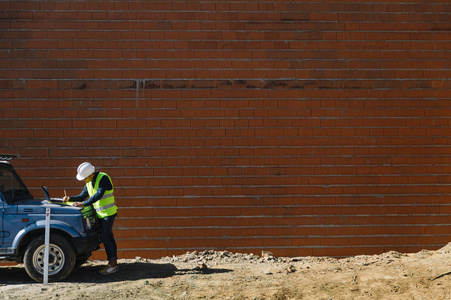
(78, 204)
(65, 198)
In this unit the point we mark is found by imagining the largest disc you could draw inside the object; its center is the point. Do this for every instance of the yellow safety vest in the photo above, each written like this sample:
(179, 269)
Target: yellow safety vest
(106, 206)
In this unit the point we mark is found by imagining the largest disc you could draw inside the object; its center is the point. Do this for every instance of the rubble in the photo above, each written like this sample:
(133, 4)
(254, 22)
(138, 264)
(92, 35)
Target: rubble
(219, 256)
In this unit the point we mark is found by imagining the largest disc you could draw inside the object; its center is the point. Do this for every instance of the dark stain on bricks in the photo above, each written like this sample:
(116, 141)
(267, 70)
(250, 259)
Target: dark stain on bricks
(269, 84)
(81, 86)
(281, 83)
(296, 84)
(151, 84)
(174, 84)
(225, 83)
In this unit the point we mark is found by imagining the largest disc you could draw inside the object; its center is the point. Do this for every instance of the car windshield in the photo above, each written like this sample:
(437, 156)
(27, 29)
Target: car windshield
(11, 187)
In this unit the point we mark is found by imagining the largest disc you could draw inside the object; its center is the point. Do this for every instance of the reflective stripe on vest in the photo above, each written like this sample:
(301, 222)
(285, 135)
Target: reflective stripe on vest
(106, 196)
(105, 206)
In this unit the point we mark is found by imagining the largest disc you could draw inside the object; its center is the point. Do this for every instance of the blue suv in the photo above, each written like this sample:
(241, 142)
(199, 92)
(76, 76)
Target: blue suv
(74, 232)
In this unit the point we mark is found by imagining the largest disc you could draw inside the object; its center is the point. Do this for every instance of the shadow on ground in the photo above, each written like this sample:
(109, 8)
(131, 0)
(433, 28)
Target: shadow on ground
(14, 275)
(88, 273)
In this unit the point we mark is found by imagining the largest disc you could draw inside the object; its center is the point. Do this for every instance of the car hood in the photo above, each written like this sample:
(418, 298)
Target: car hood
(39, 206)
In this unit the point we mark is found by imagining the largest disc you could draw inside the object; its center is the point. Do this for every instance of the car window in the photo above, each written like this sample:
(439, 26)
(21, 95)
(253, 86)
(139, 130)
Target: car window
(11, 187)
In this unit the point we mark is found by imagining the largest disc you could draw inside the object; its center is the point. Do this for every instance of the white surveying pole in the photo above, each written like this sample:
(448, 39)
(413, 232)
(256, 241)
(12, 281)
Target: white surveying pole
(47, 242)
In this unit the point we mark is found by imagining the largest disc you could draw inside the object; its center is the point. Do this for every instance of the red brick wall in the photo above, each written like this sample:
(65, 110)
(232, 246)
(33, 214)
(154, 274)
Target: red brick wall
(313, 128)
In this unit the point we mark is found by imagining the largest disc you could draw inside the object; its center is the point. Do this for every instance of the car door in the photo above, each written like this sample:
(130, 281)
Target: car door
(1, 220)
(2, 206)
(3, 188)
(12, 191)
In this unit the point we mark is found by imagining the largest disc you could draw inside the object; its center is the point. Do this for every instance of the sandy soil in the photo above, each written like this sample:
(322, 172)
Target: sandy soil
(225, 275)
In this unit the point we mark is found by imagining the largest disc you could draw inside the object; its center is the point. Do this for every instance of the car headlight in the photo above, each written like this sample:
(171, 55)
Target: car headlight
(88, 223)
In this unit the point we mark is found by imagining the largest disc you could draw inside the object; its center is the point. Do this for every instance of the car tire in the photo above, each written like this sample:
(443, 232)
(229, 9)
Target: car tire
(62, 258)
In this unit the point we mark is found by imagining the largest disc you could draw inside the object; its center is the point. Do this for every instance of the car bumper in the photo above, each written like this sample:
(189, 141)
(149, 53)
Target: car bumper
(88, 243)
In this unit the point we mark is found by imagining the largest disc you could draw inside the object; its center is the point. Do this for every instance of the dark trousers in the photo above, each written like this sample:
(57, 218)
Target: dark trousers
(107, 238)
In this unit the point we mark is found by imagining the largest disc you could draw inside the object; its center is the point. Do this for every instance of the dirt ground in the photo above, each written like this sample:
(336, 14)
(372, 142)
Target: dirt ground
(224, 275)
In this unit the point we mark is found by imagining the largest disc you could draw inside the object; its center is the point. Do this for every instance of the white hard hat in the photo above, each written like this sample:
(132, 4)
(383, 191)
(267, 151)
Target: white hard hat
(84, 170)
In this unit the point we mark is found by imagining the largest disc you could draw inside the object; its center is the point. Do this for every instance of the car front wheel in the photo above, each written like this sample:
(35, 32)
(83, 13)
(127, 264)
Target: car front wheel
(61, 258)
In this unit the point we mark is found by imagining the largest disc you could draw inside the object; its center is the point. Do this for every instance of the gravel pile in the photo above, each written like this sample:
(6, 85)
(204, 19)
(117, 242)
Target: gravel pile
(212, 256)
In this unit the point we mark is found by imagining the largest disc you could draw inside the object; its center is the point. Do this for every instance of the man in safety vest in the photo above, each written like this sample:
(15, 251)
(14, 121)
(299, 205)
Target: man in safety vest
(99, 189)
